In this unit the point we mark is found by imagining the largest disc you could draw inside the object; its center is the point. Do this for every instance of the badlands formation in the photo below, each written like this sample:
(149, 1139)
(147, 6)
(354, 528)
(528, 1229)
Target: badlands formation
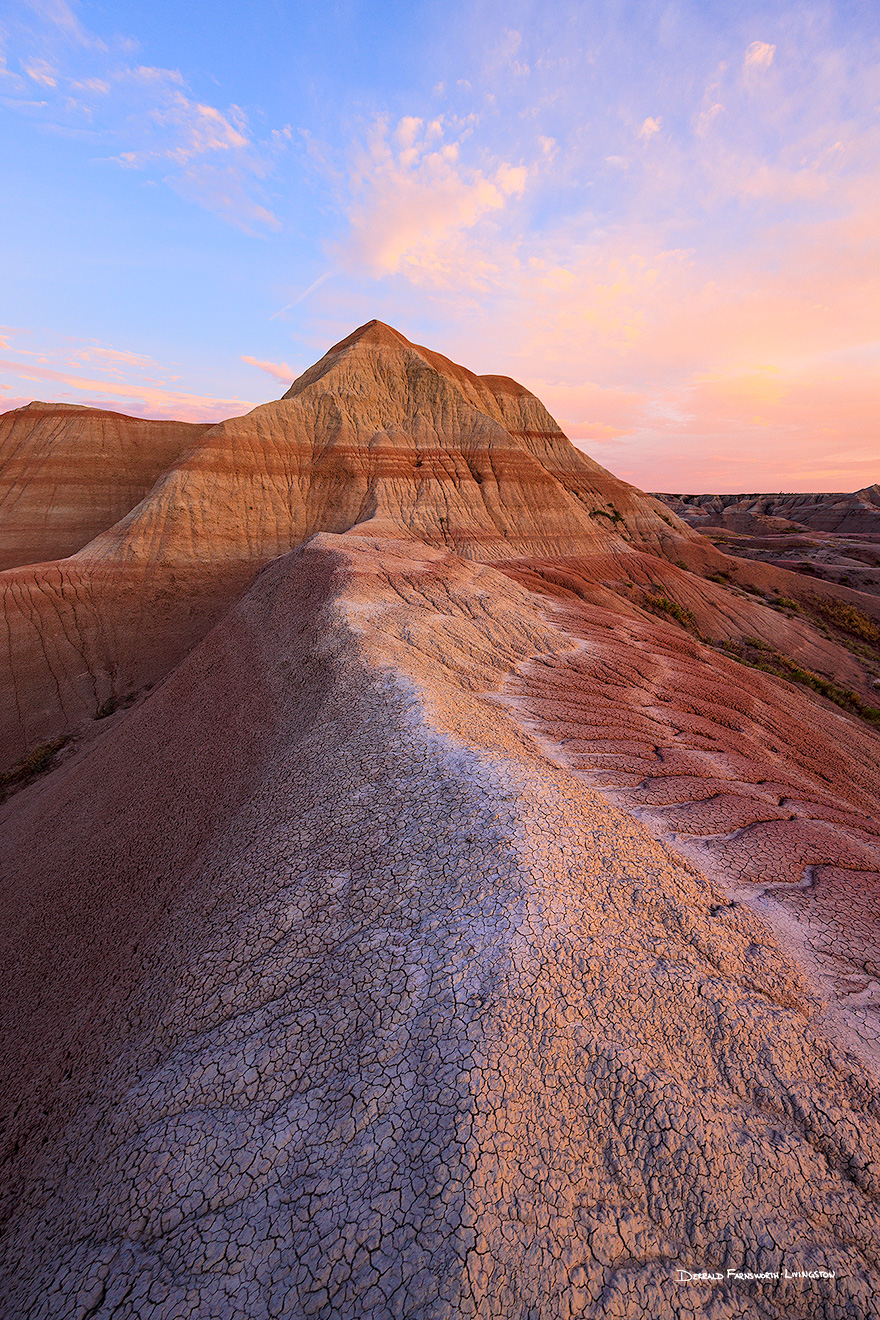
(452, 885)
(832, 537)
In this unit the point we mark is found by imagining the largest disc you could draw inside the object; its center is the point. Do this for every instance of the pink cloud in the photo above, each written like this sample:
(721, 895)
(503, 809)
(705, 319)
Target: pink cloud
(412, 200)
(752, 370)
(142, 400)
(280, 370)
(759, 55)
(12, 402)
(111, 357)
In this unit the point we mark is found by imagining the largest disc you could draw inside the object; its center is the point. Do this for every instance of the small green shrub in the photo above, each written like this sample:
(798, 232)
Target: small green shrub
(38, 760)
(759, 655)
(614, 515)
(675, 611)
(849, 619)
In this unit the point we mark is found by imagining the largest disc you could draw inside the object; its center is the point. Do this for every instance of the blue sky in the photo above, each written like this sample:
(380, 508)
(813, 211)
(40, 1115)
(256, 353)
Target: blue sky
(663, 218)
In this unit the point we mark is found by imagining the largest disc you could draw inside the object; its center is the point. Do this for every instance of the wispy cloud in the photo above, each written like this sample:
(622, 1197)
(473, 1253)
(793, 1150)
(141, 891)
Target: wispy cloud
(112, 358)
(280, 370)
(149, 118)
(759, 55)
(40, 71)
(58, 14)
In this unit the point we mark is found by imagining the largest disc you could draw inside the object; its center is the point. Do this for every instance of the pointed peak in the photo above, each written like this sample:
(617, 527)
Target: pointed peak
(372, 332)
(375, 340)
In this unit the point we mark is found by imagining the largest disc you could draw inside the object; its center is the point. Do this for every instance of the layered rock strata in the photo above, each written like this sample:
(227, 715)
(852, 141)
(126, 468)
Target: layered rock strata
(382, 435)
(68, 472)
(841, 513)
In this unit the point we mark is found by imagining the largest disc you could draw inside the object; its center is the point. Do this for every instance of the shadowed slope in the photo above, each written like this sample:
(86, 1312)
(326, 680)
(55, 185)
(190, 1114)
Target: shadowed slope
(396, 1017)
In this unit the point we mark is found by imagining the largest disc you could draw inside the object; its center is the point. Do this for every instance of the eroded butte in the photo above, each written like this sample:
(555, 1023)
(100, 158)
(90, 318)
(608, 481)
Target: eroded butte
(451, 919)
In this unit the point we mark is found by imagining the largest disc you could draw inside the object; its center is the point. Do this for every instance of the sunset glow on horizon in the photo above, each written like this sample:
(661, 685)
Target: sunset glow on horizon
(661, 218)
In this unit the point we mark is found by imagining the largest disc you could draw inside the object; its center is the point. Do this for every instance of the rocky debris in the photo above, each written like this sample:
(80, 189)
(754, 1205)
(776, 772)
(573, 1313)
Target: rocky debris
(362, 1004)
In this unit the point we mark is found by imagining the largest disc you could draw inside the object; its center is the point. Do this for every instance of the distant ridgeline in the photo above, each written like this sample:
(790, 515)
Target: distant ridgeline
(856, 512)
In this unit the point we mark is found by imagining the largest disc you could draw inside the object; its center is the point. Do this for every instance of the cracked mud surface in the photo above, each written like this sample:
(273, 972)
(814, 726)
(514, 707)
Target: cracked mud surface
(777, 799)
(424, 1026)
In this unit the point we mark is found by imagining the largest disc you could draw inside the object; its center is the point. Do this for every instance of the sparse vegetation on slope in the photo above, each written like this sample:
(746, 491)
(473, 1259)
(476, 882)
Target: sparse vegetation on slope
(760, 655)
(37, 761)
(662, 604)
(848, 618)
(611, 513)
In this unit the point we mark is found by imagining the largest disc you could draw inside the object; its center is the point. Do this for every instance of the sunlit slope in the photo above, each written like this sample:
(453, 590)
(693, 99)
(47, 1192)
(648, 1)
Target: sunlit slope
(381, 437)
(385, 434)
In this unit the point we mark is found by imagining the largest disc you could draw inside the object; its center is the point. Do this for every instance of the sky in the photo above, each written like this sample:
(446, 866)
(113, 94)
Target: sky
(662, 218)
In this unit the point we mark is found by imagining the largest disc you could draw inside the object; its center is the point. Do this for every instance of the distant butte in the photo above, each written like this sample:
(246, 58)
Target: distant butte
(438, 881)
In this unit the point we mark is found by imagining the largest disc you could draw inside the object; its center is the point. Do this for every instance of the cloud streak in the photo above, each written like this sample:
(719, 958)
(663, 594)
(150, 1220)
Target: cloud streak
(280, 370)
(140, 399)
(301, 297)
